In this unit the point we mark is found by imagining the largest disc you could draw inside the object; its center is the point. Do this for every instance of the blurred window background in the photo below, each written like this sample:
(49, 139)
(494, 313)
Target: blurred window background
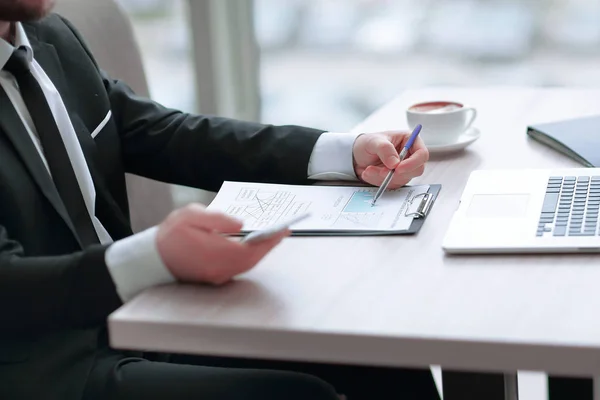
(163, 33)
(330, 63)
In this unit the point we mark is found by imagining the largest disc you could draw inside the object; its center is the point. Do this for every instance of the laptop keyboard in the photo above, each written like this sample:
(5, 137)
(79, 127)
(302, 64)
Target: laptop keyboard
(571, 206)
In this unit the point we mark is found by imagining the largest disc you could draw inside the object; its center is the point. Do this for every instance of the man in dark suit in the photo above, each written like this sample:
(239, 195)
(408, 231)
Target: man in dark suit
(68, 257)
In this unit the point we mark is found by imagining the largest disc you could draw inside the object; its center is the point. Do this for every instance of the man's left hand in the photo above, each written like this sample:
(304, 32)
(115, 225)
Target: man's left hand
(375, 154)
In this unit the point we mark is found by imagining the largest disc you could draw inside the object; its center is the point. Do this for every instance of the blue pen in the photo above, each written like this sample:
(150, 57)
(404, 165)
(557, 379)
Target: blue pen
(402, 156)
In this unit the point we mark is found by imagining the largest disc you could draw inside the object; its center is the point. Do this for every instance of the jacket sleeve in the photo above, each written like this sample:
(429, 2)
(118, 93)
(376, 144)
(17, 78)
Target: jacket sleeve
(203, 151)
(40, 294)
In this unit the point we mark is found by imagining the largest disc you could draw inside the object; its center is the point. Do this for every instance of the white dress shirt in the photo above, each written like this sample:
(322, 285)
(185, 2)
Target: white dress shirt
(134, 262)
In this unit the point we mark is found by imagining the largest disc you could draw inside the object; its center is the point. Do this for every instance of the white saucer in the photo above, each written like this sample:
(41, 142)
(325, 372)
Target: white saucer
(468, 137)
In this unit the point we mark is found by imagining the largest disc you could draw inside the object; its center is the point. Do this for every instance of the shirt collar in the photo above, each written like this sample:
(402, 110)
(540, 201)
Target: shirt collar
(6, 49)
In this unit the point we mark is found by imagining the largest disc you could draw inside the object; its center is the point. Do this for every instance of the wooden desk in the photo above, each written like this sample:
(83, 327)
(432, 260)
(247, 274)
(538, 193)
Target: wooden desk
(399, 301)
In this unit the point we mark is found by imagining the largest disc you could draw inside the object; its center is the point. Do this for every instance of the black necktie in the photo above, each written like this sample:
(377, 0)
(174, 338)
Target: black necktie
(52, 143)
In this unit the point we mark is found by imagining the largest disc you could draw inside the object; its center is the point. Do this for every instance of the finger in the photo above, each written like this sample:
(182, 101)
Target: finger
(242, 257)
(229, 259)
(384, 149)
(418, 151)
(254, 252)
(201, 218)
(402, 179)
(413, 161)
(260, 249)
(376, 172)
(372, 176)
(372, 173)
(375, 175)
(397, 183)
(418, 144)
(398, 138)
(410, 173)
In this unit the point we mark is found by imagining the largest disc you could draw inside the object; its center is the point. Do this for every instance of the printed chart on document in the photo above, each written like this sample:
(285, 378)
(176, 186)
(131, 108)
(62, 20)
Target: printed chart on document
(358, 211)
(262, 207)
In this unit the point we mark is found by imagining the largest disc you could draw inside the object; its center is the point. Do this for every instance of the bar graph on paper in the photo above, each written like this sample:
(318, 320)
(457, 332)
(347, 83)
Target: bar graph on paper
(358, 211)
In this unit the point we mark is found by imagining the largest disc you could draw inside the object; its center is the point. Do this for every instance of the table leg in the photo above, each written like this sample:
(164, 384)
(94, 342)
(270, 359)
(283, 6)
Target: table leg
(476, 386)
(511, 387)
(570, 388)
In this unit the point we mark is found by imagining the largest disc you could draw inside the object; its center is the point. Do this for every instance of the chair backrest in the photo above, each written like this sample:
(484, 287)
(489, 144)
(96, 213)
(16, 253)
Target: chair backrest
(109, 34)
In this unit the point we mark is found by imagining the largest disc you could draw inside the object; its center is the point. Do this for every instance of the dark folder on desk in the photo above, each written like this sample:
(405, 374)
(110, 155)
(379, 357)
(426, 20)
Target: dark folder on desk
(577, 138)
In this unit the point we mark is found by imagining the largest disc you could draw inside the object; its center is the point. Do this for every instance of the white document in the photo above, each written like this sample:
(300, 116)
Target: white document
(333, 209)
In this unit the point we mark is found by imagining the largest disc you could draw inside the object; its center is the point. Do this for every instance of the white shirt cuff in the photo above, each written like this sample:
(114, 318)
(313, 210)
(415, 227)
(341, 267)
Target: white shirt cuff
(331, 158)
(135, 264)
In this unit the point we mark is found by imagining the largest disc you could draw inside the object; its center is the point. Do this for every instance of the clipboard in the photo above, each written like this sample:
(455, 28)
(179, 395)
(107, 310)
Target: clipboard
(419, 208)
(336, 210)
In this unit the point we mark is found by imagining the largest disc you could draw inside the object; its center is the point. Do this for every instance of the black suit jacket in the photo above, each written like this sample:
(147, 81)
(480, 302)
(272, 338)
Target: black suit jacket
(55, 295)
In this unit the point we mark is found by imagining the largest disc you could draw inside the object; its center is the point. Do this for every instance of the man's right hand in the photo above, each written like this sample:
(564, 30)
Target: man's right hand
(192, 244)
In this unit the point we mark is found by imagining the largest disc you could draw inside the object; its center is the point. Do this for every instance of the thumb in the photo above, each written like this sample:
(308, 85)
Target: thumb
(260, 249)
(213, 221)
(385, 150)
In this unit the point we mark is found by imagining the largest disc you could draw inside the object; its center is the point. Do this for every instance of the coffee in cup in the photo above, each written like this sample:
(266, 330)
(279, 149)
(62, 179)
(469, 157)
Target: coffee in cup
(443, 121)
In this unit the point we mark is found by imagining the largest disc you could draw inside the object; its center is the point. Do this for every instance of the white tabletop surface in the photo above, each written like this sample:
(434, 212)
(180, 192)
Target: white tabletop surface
(400, 301)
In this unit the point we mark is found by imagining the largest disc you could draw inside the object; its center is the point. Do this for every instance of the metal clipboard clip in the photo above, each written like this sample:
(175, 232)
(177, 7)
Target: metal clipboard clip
(423, 208)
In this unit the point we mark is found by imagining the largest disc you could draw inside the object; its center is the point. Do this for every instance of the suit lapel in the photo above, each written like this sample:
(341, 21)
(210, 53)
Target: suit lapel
(45, 54)
(11, 124)
(106, 209)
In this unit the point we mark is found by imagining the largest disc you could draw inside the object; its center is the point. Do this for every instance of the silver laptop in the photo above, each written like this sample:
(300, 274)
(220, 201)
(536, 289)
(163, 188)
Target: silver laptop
(518, 211)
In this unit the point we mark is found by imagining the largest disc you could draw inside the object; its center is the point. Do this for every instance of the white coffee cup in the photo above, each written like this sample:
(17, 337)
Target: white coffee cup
(443, 121)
